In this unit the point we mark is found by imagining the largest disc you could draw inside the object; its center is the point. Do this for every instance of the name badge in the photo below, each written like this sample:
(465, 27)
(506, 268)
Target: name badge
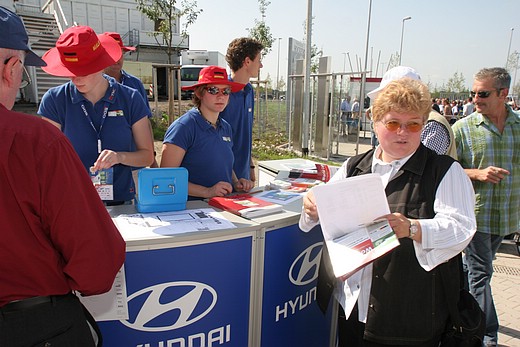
(118, 113)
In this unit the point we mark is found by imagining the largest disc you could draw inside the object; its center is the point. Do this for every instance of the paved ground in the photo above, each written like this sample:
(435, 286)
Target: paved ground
(506, 293)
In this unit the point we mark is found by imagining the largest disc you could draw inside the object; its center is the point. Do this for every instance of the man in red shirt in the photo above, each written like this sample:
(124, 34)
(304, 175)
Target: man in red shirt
(57, 237)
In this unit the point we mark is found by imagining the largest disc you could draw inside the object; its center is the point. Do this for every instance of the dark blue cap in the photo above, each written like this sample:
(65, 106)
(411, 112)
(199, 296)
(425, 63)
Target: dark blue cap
(14, 36)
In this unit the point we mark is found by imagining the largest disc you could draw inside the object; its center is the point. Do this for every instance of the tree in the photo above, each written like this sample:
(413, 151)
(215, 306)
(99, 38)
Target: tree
(281, 84)
(456, 83)
(268, 82)
(394, 61)
(165, 16)
(512, 62)
(261, 32)
(315, 53)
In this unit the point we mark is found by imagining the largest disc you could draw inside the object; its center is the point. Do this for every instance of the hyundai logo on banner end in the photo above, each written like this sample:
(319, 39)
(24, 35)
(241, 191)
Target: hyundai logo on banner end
(303, 271)
(305, 267)
(171, 305)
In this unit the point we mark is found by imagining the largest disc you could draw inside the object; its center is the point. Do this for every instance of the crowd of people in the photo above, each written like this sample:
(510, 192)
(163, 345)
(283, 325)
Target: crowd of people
(450, 171)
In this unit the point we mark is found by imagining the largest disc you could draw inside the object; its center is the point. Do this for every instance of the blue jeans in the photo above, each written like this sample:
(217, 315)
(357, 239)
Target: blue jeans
(373, 140)
(478, 260)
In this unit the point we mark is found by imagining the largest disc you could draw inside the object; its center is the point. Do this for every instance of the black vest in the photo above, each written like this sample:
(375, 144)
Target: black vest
(407, 304)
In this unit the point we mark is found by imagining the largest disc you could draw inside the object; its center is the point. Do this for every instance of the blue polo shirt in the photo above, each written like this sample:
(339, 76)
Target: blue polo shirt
(209, 155)
(239, 114)
(62, 104)
(134, 82)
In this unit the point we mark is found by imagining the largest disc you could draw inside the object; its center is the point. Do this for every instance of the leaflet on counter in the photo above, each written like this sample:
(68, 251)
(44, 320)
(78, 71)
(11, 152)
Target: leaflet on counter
(349, 212)
(171, 223)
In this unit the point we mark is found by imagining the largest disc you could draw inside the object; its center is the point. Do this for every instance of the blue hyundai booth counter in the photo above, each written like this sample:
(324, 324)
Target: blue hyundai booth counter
(253, 285)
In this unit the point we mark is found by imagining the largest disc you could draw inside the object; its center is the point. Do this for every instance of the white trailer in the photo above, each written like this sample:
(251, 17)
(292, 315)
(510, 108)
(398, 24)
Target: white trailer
(202, 57)
(192, 62)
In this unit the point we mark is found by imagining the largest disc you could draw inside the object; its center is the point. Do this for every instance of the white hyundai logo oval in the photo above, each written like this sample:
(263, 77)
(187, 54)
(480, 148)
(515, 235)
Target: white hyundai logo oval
(186, 308)
(305, 267)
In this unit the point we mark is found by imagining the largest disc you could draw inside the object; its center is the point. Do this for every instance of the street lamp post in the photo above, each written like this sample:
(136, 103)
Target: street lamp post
(509, 49)
(402, 34)
(278, 82)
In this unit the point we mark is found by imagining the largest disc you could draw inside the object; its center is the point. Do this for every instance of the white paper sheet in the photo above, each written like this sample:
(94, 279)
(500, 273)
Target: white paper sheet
(347, 211)
(111, 305)
(278, 196)
(140, 225)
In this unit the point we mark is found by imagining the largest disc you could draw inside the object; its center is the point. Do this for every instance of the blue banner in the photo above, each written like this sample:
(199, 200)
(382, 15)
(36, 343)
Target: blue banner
(290, 314)
(190, 296)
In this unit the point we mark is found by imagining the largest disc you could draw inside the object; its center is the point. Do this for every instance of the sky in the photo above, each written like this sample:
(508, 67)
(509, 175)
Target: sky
(442, 37)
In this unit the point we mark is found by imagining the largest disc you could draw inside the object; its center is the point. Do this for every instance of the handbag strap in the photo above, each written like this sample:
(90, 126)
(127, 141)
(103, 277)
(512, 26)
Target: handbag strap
(451, 299)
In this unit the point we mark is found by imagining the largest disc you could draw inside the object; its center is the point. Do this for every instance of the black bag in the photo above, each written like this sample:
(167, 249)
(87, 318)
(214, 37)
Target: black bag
(467, 324)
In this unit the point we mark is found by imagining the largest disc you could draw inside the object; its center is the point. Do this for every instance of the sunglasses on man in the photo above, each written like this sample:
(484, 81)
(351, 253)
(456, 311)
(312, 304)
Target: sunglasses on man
(483, 93)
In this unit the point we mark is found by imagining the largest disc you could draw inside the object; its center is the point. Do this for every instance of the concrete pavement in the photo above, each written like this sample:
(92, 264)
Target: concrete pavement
(506, 294)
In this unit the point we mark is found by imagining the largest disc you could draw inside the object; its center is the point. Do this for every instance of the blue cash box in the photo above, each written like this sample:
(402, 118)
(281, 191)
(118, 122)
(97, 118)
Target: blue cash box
(162, 189)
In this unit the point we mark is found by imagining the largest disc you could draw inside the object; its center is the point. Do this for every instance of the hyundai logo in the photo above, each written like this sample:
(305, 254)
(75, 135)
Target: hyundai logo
(305, 267)
(169, 306)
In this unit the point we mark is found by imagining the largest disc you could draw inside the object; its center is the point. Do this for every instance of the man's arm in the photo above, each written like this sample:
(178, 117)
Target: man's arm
(78, 223)
(491, 174)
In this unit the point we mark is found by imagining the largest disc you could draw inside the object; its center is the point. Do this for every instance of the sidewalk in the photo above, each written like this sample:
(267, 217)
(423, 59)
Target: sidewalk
(506, 294)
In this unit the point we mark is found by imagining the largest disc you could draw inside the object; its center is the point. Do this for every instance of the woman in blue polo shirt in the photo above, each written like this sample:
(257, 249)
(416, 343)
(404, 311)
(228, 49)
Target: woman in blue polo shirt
(201, 141)
(106, 122)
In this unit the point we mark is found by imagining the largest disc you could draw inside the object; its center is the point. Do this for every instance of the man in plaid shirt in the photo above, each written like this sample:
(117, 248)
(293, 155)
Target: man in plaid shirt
(488, 148)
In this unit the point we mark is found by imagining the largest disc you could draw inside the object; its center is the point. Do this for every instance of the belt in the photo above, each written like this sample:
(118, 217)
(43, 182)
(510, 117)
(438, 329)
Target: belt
(114, 202)
(26, 304)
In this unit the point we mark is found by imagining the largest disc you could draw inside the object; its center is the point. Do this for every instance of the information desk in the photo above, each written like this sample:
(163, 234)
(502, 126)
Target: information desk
(192, 289)
(254, 285)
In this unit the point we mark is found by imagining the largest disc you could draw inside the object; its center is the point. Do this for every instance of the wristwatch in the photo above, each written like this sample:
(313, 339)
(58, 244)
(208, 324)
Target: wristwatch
(414, 227)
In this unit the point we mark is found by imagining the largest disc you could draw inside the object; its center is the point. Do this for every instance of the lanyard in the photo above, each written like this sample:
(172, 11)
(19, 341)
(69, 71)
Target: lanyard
(105, 112)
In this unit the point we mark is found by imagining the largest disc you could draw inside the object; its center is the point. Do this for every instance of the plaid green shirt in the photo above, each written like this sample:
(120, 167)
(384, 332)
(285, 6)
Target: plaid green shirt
(479, 145)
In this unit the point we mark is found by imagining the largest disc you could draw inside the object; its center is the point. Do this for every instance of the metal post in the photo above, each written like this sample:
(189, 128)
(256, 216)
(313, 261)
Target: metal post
(509, 49)
(306, 87)
(364, 74)
(402, 34)
(278, 84)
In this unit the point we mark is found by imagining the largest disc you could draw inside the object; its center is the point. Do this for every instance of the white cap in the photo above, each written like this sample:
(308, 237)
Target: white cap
(393, 74)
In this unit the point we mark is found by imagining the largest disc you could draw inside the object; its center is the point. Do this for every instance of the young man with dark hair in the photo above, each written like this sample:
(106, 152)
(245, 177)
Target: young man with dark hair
(245, 60)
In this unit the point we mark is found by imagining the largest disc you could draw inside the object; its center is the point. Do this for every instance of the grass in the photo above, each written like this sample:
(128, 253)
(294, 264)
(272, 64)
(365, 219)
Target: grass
(270, 139)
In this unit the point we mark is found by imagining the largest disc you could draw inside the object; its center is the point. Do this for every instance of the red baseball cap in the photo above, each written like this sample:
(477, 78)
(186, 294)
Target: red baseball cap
(80, 52)
(118, 39)
(215, 75)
